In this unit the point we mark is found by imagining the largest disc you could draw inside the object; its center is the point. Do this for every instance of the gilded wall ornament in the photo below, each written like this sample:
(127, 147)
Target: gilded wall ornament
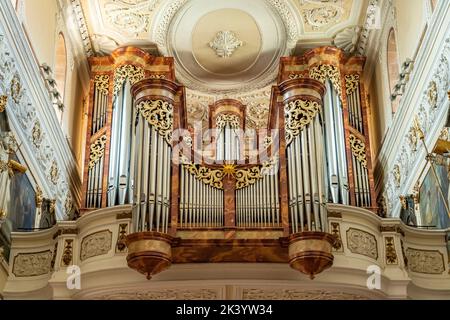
(351, 83)
(327, 71)
(362, 242)
(97, 151)
(3, 103)
(296, 76)
(96, 244)
(433, 94)
(36, 134)
(358, 150)
(228, 119)
(102, 83)
(425, 261)
(32, 264)
(158, 114)
(133, 73)
(391, 254)
(225, 43)
(298, 114)
(16, 89)
(67, 256)
(54, 173)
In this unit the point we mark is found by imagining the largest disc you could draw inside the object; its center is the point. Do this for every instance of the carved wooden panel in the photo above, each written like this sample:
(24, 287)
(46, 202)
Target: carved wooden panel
(362, 242)
(425, 261)
(96, 244)
(32, 264)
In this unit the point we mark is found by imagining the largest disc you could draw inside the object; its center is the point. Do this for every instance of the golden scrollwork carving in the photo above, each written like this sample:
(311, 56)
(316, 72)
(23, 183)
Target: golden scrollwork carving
(358, 149)
(232, 120)
(3, 102)
(327, 71)
(102, 83)
(97, 151)
(158, 114)
(351, 83)
(210, 177)
(296, 76)
(132, 73)
(298, 114)
(246, 177)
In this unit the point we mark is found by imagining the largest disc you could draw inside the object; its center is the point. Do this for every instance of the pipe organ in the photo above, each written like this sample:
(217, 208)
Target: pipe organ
(185, 188)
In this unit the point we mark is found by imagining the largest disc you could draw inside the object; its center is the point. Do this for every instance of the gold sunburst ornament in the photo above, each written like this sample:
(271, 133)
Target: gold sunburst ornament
(229, 170)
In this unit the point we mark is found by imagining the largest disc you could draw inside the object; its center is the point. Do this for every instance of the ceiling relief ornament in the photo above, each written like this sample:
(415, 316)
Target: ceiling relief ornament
(298, 114)
(319, 15)
(130, 16)
(97, 151)
(362, 242)
(358, 149)
(296, 294)
(96, 244)
(347, 39)
(225, 43)
(158, 114)
(32, 264)
(425, 261)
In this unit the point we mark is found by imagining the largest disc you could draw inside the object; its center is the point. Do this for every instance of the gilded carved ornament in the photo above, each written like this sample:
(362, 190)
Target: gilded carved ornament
(391, 254)
(16, 89)
(327, 71)
(232, 120)
(358, 150)
(97, 151)
(102, 83)
(433, 94)
(351, 83)
(133, 73)
(298, 114)
(3, 103)
(158, 114)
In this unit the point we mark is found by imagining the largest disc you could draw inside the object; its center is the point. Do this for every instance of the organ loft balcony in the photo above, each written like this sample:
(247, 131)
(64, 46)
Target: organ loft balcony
(162, 192)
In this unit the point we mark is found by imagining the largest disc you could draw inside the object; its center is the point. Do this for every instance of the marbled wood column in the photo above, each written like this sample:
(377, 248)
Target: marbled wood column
(179, 122)
(282, 177)
(365, 107)
(229, 188)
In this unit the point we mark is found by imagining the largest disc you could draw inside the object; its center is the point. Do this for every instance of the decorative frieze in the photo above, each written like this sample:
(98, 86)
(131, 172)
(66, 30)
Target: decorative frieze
(32, 264)
(425, 261)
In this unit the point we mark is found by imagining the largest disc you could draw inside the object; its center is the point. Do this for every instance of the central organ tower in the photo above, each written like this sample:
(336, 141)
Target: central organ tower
(228, 194)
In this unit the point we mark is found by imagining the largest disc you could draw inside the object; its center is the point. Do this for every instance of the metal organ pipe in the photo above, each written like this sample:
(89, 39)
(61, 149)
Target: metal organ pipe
(152, 155)
(304, 151)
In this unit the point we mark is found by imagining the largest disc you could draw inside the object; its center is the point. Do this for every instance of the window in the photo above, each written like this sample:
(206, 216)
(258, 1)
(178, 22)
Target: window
(60, 70)
(393, 68)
